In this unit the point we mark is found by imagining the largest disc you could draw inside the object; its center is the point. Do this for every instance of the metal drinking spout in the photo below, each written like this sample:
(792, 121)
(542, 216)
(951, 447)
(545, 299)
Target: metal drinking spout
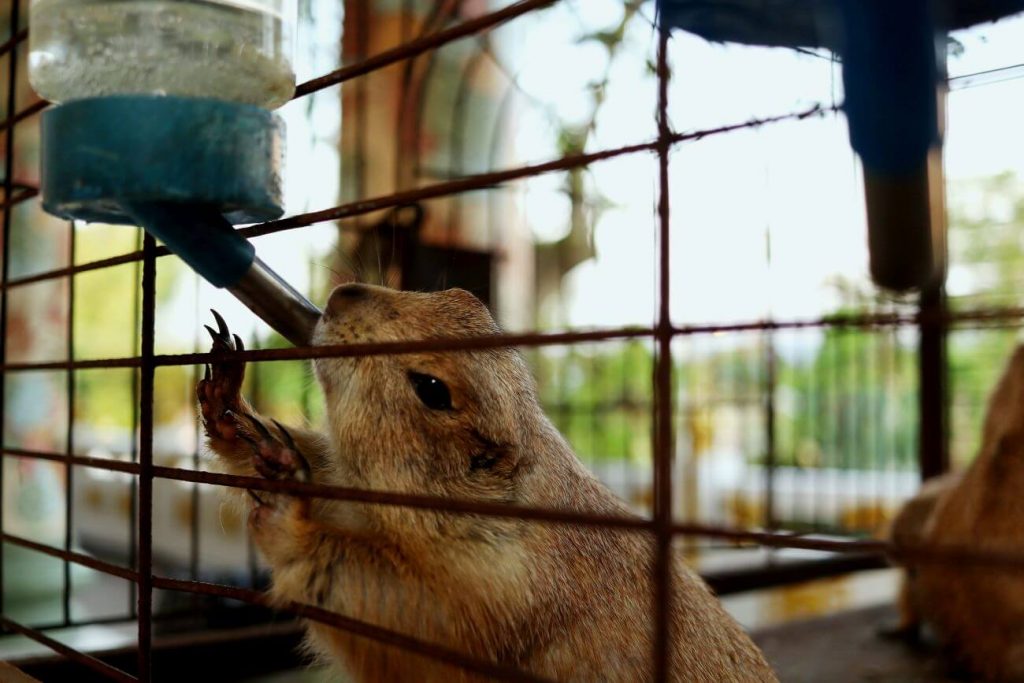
(277, 303)
(209, 244)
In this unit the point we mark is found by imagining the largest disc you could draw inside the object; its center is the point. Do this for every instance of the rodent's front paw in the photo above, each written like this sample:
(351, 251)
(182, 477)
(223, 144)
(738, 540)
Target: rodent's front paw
(276, 523)
(219, 391)
(274, 457)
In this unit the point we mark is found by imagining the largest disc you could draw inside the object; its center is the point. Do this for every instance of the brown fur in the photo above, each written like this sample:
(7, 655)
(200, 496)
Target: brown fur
(564, 602)
(977, 611)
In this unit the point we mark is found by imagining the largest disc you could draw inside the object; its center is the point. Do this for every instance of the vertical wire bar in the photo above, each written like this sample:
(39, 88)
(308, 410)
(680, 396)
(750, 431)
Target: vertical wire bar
(133, 484)
(405, 35)
(933, 423)
(836, 456)
(770, 382)
(817, 425)
(194, 502)
(12, 90)
(663, 381)
(770, 458)
(145, 527)
(362, 52)
(861, 422)
(69, 481)
(878, 437)
(255, 371)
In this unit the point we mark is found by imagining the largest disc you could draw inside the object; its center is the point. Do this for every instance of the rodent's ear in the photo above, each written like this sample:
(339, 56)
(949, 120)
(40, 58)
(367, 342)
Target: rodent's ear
(464, 296)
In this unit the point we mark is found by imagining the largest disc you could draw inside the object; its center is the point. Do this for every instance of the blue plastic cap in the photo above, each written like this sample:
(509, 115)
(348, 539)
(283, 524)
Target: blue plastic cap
(102, 154)
(890, 75)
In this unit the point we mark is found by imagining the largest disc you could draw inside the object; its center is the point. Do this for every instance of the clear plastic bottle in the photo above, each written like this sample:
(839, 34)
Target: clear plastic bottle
(234, 50)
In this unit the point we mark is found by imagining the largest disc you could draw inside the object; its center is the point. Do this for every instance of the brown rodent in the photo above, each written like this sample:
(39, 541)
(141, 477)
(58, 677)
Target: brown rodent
(561, 601)
(977, 611)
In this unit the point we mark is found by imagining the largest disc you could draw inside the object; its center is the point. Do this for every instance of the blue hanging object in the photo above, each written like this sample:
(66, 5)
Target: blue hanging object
(185, 169)
(804, 23)
(892, 76)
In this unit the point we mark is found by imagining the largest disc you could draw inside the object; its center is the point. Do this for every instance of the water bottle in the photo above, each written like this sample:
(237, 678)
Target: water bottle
(234, 50)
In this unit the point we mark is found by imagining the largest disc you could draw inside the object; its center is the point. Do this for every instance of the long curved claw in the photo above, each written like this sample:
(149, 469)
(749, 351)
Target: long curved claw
(288, 440)
(219, 390)
(221, 325)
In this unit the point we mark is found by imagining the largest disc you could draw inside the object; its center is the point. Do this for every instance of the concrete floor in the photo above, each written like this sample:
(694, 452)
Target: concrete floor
(846, 648)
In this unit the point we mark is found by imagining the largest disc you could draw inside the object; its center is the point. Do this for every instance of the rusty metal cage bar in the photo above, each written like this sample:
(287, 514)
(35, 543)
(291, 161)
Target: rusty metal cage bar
(69, 441)
(662, 525)
(12, 76)
(663, 436)
(962, 319)
(145, 491)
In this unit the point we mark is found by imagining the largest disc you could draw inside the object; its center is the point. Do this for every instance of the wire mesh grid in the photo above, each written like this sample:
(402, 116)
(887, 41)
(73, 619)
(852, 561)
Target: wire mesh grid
(931, 321)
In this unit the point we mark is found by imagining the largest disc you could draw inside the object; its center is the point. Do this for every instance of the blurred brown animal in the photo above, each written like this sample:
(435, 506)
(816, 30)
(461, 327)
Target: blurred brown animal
(976, 611)
(560, 601)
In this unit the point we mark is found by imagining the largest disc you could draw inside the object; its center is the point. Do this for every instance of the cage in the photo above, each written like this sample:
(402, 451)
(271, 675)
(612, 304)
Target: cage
(669, 230)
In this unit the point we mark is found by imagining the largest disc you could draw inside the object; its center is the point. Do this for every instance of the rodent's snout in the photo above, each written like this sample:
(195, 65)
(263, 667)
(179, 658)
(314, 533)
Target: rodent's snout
(343, 297)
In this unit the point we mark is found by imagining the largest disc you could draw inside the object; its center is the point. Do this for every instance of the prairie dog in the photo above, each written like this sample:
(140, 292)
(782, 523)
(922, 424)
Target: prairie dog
(560, 601)
(977, 611)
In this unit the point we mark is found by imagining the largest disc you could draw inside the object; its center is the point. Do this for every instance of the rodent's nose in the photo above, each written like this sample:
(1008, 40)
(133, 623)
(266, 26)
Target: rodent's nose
(344, 296)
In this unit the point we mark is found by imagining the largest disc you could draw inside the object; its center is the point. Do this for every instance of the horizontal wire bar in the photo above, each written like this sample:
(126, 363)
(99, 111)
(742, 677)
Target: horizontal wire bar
(353, 626)
(987, 77)
(130, 257)
(125, 618)
(460, 185)
(531, 339)
(111, 672)
(20, 116)
(343, 350)
(71, 556)
(480, 181)
(81, 460)
(129, 362)
(423, 502)
(927, 553)
(491, 179)
(422, 45)
(22, 196)
(17, 38)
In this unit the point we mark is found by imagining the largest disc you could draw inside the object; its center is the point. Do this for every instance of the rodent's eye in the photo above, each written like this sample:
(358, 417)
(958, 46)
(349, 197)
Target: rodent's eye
(431, 391)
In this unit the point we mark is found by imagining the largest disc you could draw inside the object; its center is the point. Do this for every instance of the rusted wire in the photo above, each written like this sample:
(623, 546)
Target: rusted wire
(73, 557)
(14, 19)
(354, 626)
(80, 460)
(75, 269)
(531, 339)
(69, 440)
(18, 117)
(19, 37)
(145, 478)
(422, 45)
(663, 436)
(111, 672)
(907, 553)
(469, 183)
(22, 196)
